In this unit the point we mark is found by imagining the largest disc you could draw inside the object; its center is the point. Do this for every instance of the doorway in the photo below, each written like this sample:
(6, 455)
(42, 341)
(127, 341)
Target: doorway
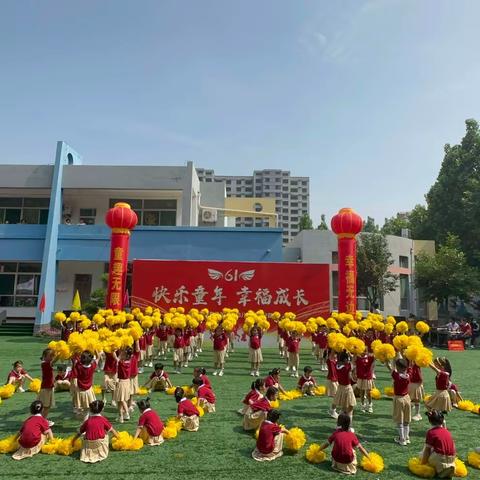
(83, 283)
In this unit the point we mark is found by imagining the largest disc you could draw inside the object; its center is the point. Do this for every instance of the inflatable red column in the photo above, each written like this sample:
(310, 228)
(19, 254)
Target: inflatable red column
(121, 219)
(346, 224)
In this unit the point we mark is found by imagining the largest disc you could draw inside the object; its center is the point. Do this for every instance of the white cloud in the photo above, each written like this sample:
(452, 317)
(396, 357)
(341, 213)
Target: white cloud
(313, 41)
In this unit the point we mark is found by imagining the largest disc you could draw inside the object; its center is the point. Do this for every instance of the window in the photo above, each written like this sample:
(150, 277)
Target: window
(404, 292)
(88, 215)
(335, 258)
(403, 261)
(19, 283)
(160, 212)
(24, 210)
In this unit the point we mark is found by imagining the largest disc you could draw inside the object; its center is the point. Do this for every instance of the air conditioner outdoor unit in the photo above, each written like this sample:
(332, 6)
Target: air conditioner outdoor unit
(209, 215)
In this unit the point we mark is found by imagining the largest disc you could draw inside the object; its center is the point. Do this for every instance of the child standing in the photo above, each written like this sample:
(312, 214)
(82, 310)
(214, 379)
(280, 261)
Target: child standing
(159, 379)
(162, 336)
(220, 342)
(95, 430)
(206, 397)
(270, 439)
(307, 383)
(150, 426)
(187, 412)
(110, 378)
(149, 334)
(33, 434)
(344, 459)
(402, 407)
(416, 391)
(293, 347)
(344, 398)
(332, 381)
(123, 389)
(46, 395)
(134, 371)
(83, 373)
(187, 346)
(257, 411)
(439, 450)
(364, 365)
(441, 400)
(178, 345)
(255, 351)
(321, 344)
(17, 376)
(256, 392)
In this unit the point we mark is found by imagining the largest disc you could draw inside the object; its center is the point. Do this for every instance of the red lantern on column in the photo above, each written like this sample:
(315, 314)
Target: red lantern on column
(347, 224)
(121, 219)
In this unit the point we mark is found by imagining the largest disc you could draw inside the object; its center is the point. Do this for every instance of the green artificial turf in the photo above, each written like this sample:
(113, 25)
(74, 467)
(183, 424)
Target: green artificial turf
(221, 449)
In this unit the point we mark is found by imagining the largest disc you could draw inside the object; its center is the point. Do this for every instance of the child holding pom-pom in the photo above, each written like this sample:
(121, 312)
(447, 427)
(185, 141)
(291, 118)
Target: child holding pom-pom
(364, 366)
(415, 389)
(344, 459)
(273, 380)
(162, 336)
(307, 383)
(205, 395)
(46, 395)
(255, 350)
(95, 430)
(150, 426)
(123, 390)
(17, 376)
(33, 434)
(257, 411)
(83, 373)
(178, 350)
(344, 398)
(256, 393)
(159, 379)
(187, 412)
(201, 372)
(293, 347)
(270, 439)
(220, 342)
(440, 400)
(439, 450)
(332, 381)
(110, 377)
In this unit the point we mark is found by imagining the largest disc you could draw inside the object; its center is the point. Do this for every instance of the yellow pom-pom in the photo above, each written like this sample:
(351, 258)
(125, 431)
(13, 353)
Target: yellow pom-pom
(8, 444)
(466, 405)
(314, 454)
(400, 342)
(7, 391)
(320, 390)
(35, 385)
(416, 467)
(388, 391)
(274, 403)
(60, 317)
(66, 446)
(355, 346)
(169, 432)
(422, 327)
(424, 357)
(295, 439)
(142, 391)
(125, 442)
(50, 448)
(376, 394)
(170, 390)
(474, 459)
(401, 327)
(97, 389)
(201, 411)
(373, 463)
(460, 468)
(427, 397)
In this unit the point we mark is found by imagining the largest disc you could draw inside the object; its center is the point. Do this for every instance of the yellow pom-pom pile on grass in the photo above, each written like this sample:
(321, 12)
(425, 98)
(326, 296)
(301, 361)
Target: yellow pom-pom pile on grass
(8, 444)
(125, 442)
(388, 391)
(466, 405)
(474, 459)
(97, 389)
(423, 471)
(35, 385)
(295, 439)
(373, 463)
(320, 390)
(376, 394)
(7, 391)
(314, 454)
(460, 468)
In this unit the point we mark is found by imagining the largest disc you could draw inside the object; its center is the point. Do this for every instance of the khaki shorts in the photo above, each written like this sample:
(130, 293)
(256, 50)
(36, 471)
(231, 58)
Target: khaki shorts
(219, 357)
(402, 409)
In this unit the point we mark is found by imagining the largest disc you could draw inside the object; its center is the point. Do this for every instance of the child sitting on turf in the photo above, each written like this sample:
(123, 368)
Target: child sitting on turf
(273, 380)
(440, 400)
(270, 439)
(46, 394)
(159, 379)
(95, 430)
(17, 376)
(257, 411)
(439, 450)
(187, 412)
(307, 383)
(62, 378)
(256, 392)
(150, 426)
(344, 459)
(201, 372)
(206, 397)
(33, 434)
(402, 407)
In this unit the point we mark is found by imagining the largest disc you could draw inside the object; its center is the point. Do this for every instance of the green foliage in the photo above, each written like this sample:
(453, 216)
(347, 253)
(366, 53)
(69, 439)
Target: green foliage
(373, 262)
(446, 274)
(369, 226)
(305, 222)
(394, 225)
(323, 223)
(97, 298)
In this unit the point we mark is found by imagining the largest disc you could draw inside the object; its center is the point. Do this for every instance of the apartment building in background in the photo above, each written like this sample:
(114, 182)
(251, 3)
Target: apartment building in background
(291, 194)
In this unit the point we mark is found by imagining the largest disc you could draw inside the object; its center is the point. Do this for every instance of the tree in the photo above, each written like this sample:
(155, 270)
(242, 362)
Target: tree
(446, 274)
(395, 225)
(305, 222)
(374, 279)
(97, 298)
(370, 226)
(323, 224)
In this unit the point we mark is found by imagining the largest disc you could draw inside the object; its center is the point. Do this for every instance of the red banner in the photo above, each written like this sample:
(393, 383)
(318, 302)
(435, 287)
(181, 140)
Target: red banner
(117, 274)
(284, 287)
(347, 274)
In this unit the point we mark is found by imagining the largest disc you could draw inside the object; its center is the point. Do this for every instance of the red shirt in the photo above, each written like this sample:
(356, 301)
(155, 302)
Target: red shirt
(149, 338)
(84, 375)
(332, 371)
(206, 381)
(142, 342)
(32, 430)
(266, 436)
(134, 364)
(16, 375)
(201, 327)
(186, 407)
(206, 393)
(255, 341)
(179, 342)
(251, 397)
(401, 381)
(303, 379)
(364, 367)
(63, 376)
(220, 341)
(343, 445)
(151, 421)
(186, 337)
(321, 340)
(440, 439)
(415, 373)
(110, 364)
(162, 334)
(261, 404)
(95, 427)
(293, 345)
(123, 369)
(162, 374)
(47, 374)
(442, 380)
(270, 382)
(368, 343)
(466, 329)
(343, 373)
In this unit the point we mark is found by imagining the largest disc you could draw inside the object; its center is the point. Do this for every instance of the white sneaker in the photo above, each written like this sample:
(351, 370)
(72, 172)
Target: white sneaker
(196, 355)
(417, 417)
(287, 369)
(114, 403)
(401, 442)
(50, 423)
(140, 370)
(363, 407)
(292, 375)
(294, 369)
(296, 375)
(333, 414)
(407, 441)
(185, 365)
(215, 372)
(370, 408)
(257, 373)
(220, 374)
(252, 373)
(21, 389)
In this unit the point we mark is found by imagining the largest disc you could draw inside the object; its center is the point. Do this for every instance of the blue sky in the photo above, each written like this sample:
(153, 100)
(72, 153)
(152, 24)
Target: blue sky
(359, 95)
